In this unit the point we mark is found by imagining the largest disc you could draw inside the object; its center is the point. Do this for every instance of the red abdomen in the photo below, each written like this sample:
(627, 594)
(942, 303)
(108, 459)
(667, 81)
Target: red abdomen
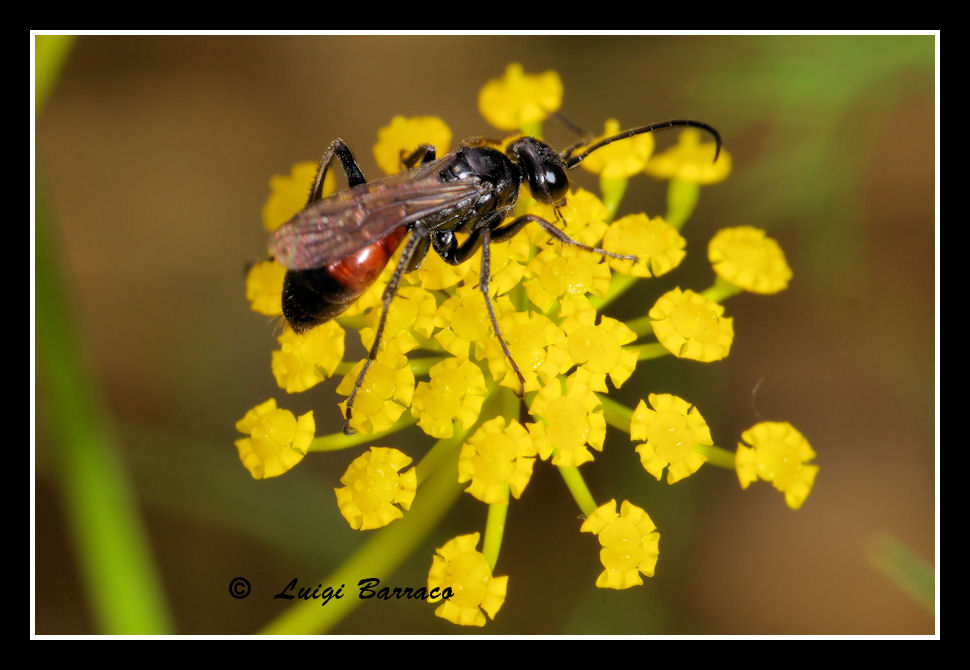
(362, 268)
(316, 295)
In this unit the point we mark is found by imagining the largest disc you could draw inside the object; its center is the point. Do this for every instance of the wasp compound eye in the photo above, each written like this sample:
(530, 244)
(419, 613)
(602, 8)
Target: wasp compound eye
(543, 167)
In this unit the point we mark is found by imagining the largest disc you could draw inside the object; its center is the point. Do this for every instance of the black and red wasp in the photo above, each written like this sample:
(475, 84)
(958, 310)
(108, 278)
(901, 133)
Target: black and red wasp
(336, 247)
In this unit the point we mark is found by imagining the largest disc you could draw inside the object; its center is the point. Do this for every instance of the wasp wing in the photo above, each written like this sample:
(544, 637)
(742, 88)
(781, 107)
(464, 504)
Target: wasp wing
(328, 230)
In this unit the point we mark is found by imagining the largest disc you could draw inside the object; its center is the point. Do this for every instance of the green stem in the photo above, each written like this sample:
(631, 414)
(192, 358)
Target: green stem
(682, 198)
(338, 441)
(642, 326)
(619, 285)
(717, 456)
(112, 547)
(577, 487)
(612, 190)
(903, 567)
(494, 531)
(439, 455)
(343, 368)
(508, 405)
(421, 366)
(721, 290)
(616, 415)
(645, 352)
(533, 129)
(50, 52)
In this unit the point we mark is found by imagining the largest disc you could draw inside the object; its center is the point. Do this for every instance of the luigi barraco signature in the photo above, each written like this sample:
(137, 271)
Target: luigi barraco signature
(367, 588)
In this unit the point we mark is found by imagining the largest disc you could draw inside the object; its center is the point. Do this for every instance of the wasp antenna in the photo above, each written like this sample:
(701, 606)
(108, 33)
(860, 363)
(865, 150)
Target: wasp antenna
(573, 127)
(573, 161)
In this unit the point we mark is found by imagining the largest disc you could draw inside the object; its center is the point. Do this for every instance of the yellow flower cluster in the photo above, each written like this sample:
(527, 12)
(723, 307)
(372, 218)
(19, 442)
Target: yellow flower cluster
(497, 460)
(691, 326)
(459, 566)
(630, 542)
(518, 100)
(670, 430)
(690, 160)
(277, 440)
(372, 485)
(776, 452)
(545, 297)
(402, 137)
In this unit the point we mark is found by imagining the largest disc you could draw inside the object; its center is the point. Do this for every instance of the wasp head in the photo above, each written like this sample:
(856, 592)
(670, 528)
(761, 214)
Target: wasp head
(542, 167)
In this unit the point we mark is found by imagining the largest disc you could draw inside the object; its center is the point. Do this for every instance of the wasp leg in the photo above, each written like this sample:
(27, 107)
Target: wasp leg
(483, 281)
(417, 258)
(446, 245)
(416, 241)
(423, 154)
(351, 169)
(563, 237)
(506, 232)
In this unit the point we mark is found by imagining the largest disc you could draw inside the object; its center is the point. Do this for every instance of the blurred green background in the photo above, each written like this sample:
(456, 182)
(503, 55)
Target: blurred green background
(154, 153)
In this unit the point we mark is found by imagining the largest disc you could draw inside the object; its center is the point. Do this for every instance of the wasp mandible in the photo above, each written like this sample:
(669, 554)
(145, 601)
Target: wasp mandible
(336, 247)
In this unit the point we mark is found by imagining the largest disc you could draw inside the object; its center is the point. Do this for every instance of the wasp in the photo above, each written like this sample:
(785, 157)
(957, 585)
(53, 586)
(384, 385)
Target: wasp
(336, 247)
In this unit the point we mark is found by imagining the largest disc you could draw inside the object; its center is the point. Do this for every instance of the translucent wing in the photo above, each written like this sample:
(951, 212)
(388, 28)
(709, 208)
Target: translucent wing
(329, 230)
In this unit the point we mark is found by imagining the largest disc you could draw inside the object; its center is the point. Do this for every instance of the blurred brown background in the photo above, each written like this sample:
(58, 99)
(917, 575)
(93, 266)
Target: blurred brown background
(157, 153)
